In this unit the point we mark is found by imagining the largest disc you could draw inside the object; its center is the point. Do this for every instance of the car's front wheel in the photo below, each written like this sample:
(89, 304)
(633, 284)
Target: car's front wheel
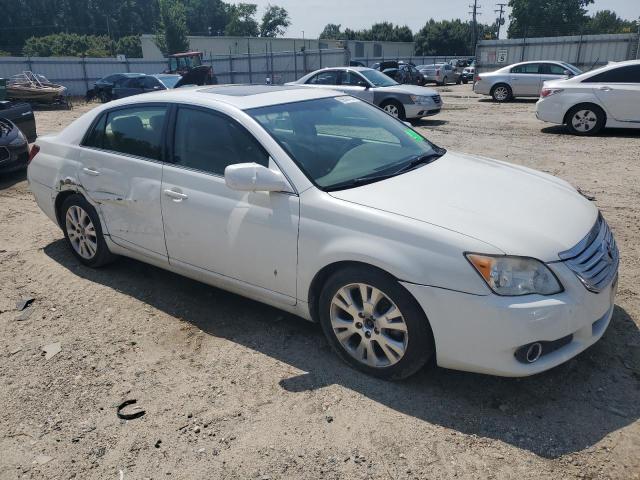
(83, 232)
(374, 324)
(394, 109)
(585, 119)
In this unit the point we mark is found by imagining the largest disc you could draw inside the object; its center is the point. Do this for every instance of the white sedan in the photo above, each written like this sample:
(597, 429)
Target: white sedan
(325, 206)
(587, 103)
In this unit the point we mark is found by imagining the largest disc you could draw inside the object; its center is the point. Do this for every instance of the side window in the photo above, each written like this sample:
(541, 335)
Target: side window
(325, 78)
(551, 69)
(150, 82)
(96, 136)
(135, 131)
(210, 142)
(528, 68)
(133, 83)
(350, 78)
(628, 74)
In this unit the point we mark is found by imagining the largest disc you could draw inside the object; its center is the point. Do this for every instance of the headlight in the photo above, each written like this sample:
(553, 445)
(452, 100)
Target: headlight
(420, 99)
(19, 140)
(514, 276)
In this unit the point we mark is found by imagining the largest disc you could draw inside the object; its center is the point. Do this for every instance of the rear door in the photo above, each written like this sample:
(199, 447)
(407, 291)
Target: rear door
(128, 87)
(525, 80)
(619, 91)
(121, 172)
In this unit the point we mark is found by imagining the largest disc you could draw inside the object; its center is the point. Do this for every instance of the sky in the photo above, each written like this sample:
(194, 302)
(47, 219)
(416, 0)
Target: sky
(311, 16)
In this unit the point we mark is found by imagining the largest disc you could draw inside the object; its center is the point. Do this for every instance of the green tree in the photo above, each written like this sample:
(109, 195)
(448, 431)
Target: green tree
(171, 35)
(332, 31)
(129, 46)
(546, 18)
(207, 17)
(606, 21)
(68, 45)
(447, 37)
(275, 21)
(242, 22)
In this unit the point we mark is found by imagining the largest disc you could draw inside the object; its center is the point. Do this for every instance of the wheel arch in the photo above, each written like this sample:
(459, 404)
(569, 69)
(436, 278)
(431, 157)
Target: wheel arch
(498, 84)
(60, 198)
(590, 104)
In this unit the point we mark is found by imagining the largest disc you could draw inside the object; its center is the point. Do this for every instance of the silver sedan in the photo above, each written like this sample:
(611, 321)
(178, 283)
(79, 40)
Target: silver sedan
(521, 79)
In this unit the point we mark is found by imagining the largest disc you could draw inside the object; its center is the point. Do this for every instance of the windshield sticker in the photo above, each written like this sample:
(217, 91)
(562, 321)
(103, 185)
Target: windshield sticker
(347, 99)
(414, 135)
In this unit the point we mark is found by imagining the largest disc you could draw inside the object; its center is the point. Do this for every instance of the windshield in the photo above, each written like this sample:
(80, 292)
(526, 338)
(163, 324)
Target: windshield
(378, 79)
(343, 142)
(169, 81)
(571, 68)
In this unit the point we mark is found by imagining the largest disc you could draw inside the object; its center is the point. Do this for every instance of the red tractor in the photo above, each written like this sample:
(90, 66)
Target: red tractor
(189, 65)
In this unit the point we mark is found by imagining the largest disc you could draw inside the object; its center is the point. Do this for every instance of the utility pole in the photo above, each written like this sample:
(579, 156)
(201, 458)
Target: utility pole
(474, 14)
(500, 18)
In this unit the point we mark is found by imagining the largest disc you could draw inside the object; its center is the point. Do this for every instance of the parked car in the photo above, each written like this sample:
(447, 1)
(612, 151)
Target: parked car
(402, 101)
(521, 79)
(142, 83)
(440, 73)
(468, 74)
(21, 114)
(322, 205)
(14, 147)
(405, 74)
(102, 87)
(606, 97)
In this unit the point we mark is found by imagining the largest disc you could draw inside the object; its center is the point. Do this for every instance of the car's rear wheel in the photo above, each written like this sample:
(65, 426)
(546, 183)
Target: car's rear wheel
(501, 93)
(374, 324)
(83, 232)
(393, 108)
(585, 119)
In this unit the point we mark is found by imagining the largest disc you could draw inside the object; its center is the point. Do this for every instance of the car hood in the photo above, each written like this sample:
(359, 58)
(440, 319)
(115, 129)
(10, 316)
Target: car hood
(408, 89)
(515, 209)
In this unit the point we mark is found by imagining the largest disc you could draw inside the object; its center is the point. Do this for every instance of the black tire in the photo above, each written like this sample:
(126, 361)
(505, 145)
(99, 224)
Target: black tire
(104, 97)
(400, 109)
(497, 93)
(419, 345)
(102, 255)
(590, 114)
(458, 81)
(465, 80)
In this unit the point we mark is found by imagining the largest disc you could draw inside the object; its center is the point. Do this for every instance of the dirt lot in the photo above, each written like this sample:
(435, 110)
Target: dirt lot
(234, 389)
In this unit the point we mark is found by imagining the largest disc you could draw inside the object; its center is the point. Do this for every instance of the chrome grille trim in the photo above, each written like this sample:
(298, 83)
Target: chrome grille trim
(595, 258)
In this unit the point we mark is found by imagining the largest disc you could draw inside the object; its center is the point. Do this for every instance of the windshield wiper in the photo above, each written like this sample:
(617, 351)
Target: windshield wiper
(413, 163)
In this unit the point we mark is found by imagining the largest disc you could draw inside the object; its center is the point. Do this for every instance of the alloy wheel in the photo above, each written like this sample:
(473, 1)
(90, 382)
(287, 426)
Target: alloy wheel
(584, 120)
(81, 232)
(392, 109)
(369, 325)
(501, 93)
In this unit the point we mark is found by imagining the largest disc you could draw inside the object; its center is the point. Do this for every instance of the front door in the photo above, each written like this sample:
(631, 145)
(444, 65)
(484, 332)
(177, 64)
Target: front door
(121, 171)
(248, 237)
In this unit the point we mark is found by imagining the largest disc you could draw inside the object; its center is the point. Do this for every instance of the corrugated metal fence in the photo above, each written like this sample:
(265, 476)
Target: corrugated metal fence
(583, 51)
(78, 74)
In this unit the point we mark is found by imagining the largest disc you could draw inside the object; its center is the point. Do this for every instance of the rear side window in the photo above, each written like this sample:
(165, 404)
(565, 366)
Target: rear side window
(529, 68)
(324, 78)
(95, 137)
(629, 74)
(135, 131)
(209, 142)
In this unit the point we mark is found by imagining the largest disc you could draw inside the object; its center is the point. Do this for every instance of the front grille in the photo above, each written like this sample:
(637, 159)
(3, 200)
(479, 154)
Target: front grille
(4, 154)
(436, 99)
(595, 258)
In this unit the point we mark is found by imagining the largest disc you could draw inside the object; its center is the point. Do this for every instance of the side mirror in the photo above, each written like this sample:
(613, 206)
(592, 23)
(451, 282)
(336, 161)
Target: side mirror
(251, 177)
(363, 84)
(568, 73)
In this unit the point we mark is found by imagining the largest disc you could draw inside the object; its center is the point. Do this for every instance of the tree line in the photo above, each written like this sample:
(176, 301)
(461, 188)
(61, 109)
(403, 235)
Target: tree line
(104, 28)
(101, 27)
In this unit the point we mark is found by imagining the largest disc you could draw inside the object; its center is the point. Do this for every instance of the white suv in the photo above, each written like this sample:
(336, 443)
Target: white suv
(606, 97)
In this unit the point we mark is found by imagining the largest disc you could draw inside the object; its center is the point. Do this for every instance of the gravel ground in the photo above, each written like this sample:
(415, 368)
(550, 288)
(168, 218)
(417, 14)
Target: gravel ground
(235, 389)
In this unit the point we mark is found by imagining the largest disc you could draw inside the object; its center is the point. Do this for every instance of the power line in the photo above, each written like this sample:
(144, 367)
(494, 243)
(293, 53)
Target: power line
(500, 19)
(474, 13)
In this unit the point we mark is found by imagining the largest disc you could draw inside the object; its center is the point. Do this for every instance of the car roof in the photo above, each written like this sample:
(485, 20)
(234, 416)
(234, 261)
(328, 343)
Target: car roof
(242, 97)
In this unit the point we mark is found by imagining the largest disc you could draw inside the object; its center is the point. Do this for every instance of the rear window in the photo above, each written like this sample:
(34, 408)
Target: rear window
(628, 74)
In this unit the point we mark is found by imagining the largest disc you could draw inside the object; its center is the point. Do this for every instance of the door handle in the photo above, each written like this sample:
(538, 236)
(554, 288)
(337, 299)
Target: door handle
(606, 89)
(177, 196)
(91, 171)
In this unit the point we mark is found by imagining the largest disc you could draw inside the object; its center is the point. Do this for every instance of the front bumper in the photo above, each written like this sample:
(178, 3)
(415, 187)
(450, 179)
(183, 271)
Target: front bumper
(419, 110)
(482, 333)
